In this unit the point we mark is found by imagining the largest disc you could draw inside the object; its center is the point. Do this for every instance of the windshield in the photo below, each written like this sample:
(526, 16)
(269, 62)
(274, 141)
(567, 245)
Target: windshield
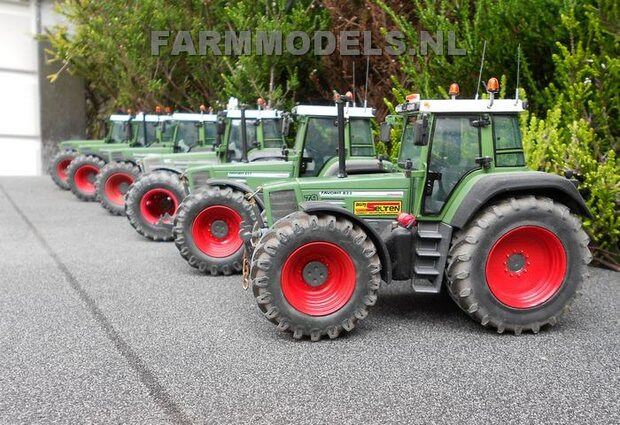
(272, 134)
(150, 132)
(234, 140)
(187, 134)
(408, 150)
(167, 128)
(117, 131)
(210, 132)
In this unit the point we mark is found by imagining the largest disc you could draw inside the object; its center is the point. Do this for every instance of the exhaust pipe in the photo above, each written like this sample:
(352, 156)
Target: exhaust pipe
(342, 168)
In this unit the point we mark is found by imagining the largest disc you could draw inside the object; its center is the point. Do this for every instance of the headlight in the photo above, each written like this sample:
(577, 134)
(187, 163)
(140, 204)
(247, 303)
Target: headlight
(200, 178)
(282, 203)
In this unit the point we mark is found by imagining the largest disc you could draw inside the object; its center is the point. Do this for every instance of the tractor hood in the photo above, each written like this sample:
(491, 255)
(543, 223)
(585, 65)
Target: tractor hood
(74, 144)
(177, 161)
(378, 196)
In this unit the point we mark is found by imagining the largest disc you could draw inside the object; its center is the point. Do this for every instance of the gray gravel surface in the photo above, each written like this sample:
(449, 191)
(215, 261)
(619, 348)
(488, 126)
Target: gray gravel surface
(98, 325)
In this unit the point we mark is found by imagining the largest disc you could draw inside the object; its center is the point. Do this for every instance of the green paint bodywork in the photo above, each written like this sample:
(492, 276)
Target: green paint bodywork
(405, 186)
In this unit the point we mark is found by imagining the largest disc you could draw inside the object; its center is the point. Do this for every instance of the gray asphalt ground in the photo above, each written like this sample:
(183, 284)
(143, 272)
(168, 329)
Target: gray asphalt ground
(98, 325)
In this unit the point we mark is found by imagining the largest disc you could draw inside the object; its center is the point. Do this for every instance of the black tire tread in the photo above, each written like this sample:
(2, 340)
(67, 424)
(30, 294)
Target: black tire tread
(279, 235)
(464, 248)
(183, 242)
(133, 198)
(52, 167)
(75, 164)
(126, 167)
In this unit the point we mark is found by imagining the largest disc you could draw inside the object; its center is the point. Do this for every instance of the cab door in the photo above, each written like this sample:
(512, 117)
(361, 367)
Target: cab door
(454, 150)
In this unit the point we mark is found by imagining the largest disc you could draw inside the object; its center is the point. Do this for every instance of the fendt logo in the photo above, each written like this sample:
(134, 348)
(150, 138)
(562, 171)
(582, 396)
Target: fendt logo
(377, 207)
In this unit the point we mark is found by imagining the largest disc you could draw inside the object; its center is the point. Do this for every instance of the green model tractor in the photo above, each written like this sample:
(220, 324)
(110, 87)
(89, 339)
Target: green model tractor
(149, 132)
(153, 199)
(207, 224)
(119, 131)
(463, 210)
(191, 134)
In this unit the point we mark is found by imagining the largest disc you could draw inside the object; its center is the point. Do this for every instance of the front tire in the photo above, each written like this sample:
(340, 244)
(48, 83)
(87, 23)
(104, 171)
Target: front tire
(112, 184)
(519, 264)
(81, 176)
(150, 201)
(206, 229)
(58, 168)
(315, 275)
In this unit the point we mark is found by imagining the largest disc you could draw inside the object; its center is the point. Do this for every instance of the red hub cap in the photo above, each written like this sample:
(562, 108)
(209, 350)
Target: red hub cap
(85, 178)
(61, 169)
(526, 267)
(116, 187)
(318, 278)
(158, 202)
(216, 231)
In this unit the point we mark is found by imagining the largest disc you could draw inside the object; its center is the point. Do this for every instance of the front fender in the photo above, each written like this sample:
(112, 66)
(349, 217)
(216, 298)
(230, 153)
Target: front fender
(239, 186)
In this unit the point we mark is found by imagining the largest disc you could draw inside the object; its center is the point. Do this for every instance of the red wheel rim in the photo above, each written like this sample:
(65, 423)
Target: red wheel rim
(318, 278)
(116, 187)
(61, 169)
(215, 231)
(157, 202)
(85, 178)
(526, 267)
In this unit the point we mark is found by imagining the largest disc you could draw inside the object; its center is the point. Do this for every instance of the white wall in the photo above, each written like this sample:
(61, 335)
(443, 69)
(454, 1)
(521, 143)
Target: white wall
(20, 140)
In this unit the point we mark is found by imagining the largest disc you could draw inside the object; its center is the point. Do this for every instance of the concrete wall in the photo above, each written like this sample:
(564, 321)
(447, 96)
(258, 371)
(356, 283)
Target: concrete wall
(32, 110)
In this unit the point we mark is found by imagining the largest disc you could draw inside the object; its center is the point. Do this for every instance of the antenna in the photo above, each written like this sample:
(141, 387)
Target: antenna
(354, 94)
(366, 83)
(518, 71)
(484, 49)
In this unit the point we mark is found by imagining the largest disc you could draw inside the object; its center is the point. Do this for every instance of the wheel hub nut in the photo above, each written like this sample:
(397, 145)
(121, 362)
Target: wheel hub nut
(315, 273)
(219, 229)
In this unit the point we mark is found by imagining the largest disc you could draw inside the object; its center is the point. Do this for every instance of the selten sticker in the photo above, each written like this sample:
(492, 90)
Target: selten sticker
(377, 207)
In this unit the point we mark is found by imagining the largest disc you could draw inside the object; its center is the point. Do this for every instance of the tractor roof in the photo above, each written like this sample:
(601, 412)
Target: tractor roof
(330, 111)
(120, 118)
(181, 116)
(254, 113)
(463, 106)
(152, 117)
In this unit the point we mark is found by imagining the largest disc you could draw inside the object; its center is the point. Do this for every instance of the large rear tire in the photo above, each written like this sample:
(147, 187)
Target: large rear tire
(519, 264)
(81, 176)
(112, 184)
(58, 168)
(315, 275)
(152, 202)
(206, 229)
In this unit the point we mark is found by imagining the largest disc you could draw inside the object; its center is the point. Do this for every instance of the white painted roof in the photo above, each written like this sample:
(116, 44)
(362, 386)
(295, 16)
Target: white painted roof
(119, 118)
(331, 111)
(254, 113)
(152, 117)
(181, 116)
(471, 105)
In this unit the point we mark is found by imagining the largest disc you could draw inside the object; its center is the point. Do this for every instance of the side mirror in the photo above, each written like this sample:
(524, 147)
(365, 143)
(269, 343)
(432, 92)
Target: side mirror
(421, 132)
(385, 132)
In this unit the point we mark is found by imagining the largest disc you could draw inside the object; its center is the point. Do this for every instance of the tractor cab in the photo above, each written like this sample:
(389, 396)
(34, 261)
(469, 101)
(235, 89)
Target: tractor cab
(119, 131)
(152, 129)
(314, 153)
(193, 132)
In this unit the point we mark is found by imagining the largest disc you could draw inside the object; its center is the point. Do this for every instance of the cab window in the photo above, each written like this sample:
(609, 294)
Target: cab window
(234, 141)
(321, 143)
(455, 145)
(507, 138)
(361, 138)
(271, 133)
(408, 150)
(118, 132)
